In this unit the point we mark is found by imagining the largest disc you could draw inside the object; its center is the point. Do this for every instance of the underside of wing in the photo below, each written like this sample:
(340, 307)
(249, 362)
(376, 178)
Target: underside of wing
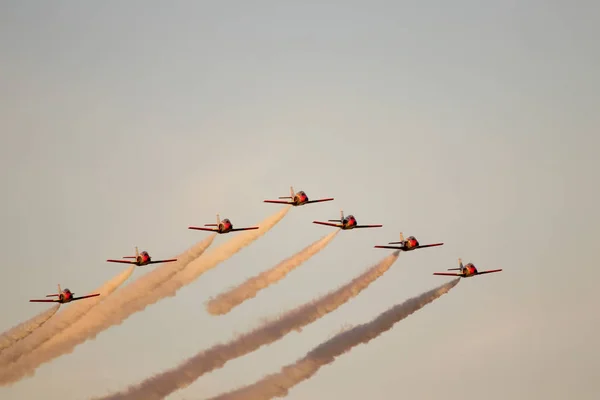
(318, 201)
(244, 229)
(429, 245)
(368, 226)
(43, 301)
(121, 261)
(488, 272)
(447, 273)
(162, 261)
(327, 224)
(85, 297)
(389, 247)
(278, 201)
(198, 228)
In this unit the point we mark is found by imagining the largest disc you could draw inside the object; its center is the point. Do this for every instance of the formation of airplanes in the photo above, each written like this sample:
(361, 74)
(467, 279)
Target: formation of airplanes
(295, 199)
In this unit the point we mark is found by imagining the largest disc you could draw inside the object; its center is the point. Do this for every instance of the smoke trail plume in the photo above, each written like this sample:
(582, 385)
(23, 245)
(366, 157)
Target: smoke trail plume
(226, 301)
(139, 289)
(125, 296)
(61, 322)
(165, 383)
(278, 385)
(22, 330)
(113, 312)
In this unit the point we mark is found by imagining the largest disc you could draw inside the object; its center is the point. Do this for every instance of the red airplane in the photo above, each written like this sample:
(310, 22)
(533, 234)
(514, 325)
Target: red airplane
(346, 223)
(466, 271)
(411, 243)
(224, 226)
(142, 258)
(297, 199)
(64, 296)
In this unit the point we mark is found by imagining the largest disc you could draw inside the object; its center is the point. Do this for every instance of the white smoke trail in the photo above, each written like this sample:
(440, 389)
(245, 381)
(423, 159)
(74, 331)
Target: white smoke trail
(112, 312)
(61, 322)
(278, 385)
(226, 301)
(126, 295)
(161, 385)
(22, 330)
(139, 289)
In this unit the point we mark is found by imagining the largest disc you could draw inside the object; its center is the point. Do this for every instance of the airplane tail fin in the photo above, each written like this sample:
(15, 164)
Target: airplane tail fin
(137, 254)
(218, 220)
(291, 196)
(401, 239)
(460, 266)
(57, 294)
(338, 220)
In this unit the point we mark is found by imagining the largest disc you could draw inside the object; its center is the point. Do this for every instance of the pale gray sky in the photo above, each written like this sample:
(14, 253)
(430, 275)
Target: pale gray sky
(472, 123)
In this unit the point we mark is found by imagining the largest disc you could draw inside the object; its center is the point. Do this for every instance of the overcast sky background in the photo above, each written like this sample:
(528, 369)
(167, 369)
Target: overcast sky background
(472, 123)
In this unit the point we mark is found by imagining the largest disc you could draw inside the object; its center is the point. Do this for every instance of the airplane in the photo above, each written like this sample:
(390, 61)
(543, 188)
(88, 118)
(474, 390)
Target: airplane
(64, 296)
(141, 259)
(411, 243)
(346, 223)
(222, 226)
(466, 271)
(297, 199)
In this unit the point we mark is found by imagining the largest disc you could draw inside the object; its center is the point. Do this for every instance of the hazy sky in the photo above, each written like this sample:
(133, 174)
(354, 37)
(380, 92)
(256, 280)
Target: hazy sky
(468, 122)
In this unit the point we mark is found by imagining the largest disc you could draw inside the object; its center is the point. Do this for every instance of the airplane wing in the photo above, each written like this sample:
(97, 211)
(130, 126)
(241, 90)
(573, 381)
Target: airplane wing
(368, 226)
(318, 201)
(162, 261)
(43, 301)
(278, 201)
(448, 273)
(85, 297)
(244, 229)
(203, 229)
(429, 245)
(489, 271)
(121, 261)
(389, 247)
(327, 224)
